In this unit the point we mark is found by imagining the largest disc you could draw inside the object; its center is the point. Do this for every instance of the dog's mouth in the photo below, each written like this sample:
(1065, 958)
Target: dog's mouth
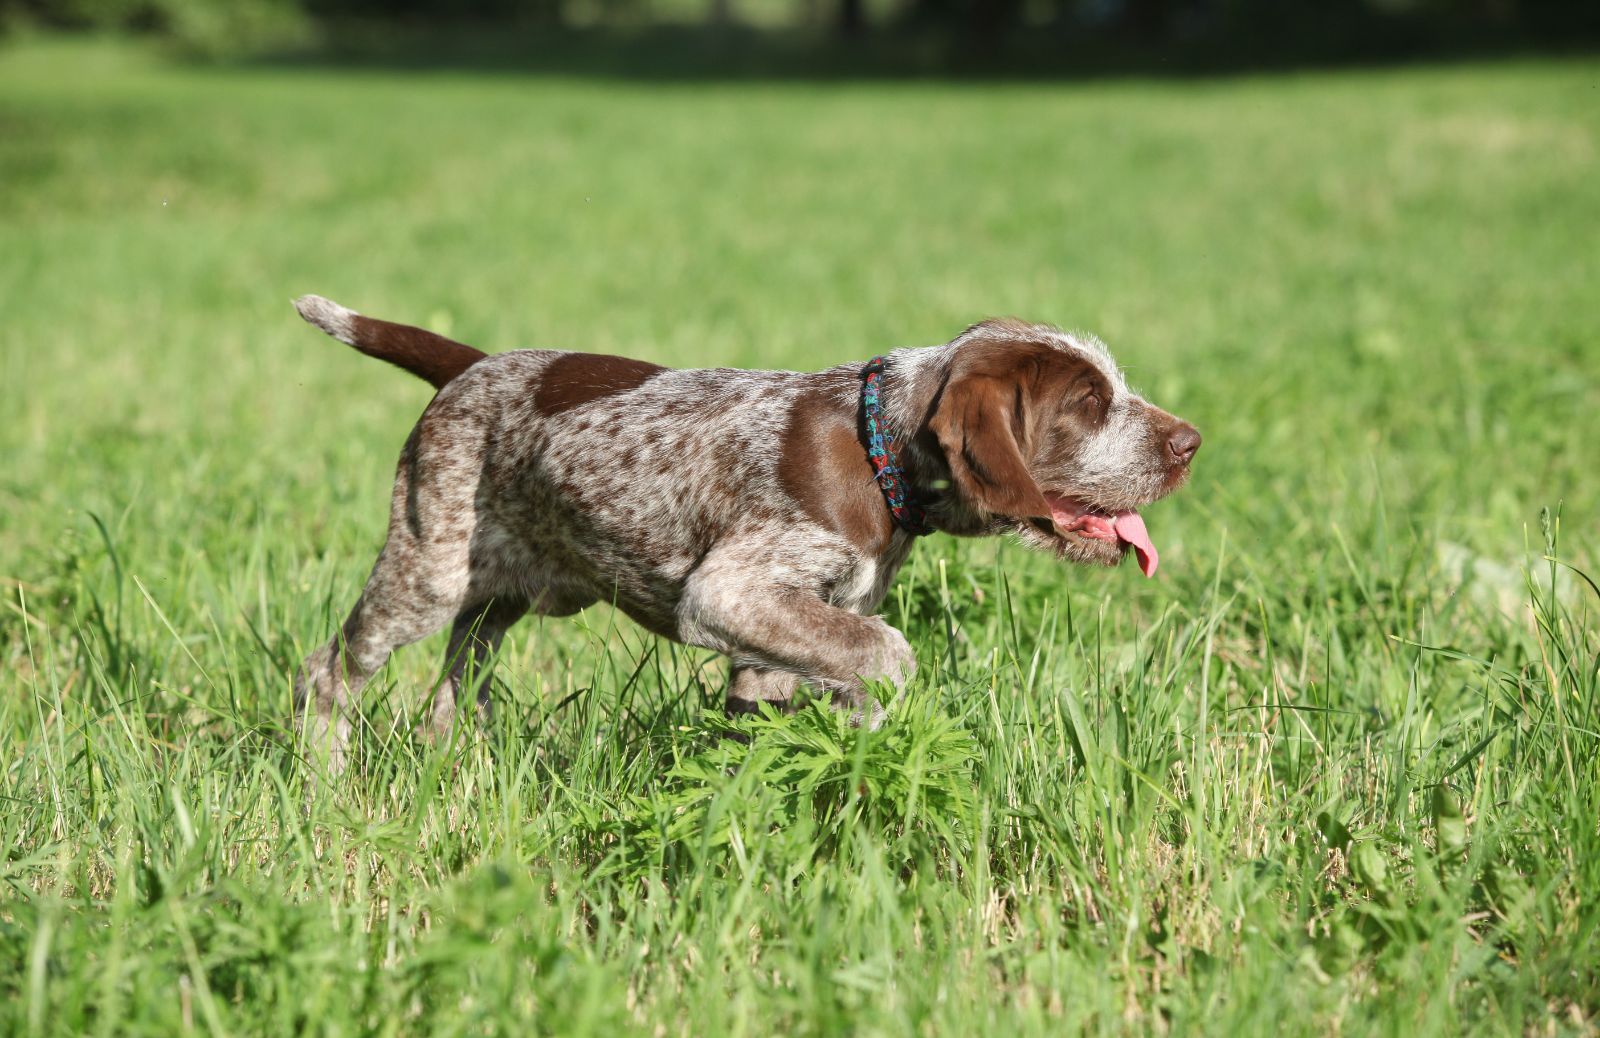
(1074, 517)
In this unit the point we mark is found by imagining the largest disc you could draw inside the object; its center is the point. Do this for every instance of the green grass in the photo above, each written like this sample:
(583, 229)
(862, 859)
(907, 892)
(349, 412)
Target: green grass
(1335, 771)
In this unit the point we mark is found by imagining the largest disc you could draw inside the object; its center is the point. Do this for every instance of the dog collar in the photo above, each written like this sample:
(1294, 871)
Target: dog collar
(888, 474)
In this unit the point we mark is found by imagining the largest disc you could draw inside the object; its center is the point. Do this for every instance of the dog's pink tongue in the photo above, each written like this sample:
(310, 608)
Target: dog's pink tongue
(1130, 528)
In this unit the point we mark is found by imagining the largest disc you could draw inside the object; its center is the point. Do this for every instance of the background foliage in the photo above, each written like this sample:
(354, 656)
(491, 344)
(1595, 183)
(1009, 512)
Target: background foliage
(1058, 34)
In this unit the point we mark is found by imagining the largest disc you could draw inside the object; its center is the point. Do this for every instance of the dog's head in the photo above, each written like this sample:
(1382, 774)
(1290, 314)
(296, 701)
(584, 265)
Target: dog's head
(1042, 437)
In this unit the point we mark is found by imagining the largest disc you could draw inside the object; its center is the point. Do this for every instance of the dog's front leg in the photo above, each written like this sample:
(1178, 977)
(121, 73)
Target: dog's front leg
(730, 605)
(749, 687)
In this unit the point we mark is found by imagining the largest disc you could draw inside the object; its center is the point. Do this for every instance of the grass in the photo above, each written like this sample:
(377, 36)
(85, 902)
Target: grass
(1335, 770)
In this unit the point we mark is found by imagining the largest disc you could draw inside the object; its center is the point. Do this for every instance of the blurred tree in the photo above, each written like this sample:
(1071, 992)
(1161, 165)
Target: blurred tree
(204, 26)
(1147, 20)
(550, 11)
(852, 19)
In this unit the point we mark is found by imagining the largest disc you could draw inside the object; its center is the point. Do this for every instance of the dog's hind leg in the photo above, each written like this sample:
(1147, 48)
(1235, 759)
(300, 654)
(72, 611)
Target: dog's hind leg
(422, 580)
(399, 605)
(475, 636)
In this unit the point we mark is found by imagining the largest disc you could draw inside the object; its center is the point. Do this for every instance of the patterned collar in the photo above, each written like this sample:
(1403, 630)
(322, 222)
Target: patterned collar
(890, 477)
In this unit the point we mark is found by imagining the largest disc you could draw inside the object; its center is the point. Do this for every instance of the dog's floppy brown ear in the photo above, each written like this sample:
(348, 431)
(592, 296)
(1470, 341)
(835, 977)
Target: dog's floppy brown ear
(979, 424)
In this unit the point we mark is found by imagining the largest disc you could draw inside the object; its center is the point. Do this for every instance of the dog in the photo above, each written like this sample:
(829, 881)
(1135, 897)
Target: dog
(760, 514)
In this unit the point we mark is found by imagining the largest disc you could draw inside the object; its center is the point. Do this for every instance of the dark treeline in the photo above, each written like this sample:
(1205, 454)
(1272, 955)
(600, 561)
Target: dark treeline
(1181, 31)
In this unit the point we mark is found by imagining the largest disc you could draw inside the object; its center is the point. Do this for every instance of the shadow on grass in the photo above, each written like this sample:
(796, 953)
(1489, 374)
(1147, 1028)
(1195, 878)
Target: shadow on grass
(702, 54)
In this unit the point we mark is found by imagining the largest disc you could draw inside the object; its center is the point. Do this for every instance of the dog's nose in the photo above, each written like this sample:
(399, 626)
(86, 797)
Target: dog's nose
(1182, 442)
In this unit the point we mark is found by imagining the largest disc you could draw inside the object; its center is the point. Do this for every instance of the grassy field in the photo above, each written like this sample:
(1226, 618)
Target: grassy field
(1337, 770)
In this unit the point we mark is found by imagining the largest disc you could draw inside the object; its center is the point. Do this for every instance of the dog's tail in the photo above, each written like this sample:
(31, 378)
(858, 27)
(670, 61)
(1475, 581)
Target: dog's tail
(430, 357)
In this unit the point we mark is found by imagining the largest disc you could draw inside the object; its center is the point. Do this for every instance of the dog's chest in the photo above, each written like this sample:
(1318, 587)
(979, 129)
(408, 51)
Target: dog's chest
(862, 587)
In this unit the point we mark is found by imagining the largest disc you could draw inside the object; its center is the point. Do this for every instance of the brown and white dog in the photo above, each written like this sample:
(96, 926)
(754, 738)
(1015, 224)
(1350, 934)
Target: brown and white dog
(733, 510)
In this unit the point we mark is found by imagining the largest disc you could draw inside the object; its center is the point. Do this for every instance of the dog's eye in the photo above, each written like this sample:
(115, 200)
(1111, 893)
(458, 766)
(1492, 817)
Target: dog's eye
(1088, 398)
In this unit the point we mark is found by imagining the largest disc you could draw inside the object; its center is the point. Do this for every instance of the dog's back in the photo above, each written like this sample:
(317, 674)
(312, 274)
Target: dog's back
(615, 471)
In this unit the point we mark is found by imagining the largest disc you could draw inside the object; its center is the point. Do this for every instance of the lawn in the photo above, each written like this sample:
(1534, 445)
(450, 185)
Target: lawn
(1336, 770)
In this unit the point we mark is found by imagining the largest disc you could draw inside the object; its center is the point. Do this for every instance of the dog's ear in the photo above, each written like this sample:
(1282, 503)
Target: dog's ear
(981, 426)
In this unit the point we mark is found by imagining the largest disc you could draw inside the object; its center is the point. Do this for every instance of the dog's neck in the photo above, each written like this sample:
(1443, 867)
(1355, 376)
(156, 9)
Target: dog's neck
(914, 380)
